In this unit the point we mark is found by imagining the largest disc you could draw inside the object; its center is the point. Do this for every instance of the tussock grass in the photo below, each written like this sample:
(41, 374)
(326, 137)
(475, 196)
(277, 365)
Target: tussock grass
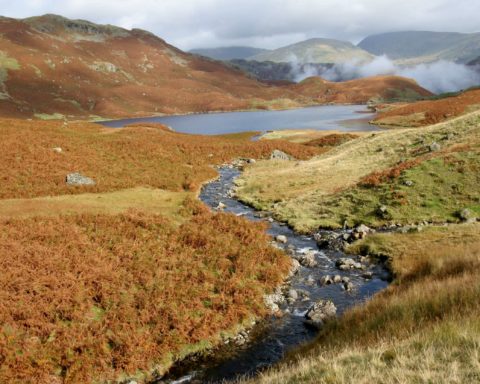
(299, 192)
(423, 328)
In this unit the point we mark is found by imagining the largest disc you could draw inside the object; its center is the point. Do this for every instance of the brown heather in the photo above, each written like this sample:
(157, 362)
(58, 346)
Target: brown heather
(116, 158)
(99, 296)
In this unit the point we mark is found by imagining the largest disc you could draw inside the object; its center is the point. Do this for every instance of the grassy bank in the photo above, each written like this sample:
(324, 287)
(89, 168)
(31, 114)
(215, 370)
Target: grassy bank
(121, 278)
(352, 181)
(424, 328)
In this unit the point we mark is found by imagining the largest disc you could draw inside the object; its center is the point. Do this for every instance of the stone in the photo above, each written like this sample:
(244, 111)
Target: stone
(367, 275)
(326, 280)
(434, 147)
(346, 263)
(75, 179)
(292, 295)
(273, 300)
(281, 239)
(308, 259)
(466, 214)
(320, 312)
(279, 155)
(345, 279)
(57, 150)
(295, 267)
(337, 279)
(251, 161)
(409, 183)
(348, 286)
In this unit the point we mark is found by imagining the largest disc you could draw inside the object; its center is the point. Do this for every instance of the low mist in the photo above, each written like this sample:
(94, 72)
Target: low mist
(438, 77)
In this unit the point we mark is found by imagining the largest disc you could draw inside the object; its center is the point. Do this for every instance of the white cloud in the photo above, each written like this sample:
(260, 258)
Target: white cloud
(265, 23)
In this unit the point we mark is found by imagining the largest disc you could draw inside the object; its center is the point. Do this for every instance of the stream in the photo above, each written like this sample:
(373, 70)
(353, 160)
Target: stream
(272, 338)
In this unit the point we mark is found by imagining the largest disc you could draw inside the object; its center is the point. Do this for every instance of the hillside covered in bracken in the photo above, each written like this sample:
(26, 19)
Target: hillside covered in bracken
(53, 67)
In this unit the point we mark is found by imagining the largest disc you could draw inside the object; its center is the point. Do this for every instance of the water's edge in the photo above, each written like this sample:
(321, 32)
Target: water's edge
(268, 341)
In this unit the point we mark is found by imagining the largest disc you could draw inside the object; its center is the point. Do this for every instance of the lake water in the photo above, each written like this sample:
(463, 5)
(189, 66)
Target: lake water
(329, 117)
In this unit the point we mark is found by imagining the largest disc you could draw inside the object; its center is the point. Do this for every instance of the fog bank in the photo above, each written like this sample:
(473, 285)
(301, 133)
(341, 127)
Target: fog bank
(438, 77)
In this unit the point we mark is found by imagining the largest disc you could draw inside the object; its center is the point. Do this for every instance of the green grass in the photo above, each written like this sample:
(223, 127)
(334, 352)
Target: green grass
(441, 188)
(326, 190)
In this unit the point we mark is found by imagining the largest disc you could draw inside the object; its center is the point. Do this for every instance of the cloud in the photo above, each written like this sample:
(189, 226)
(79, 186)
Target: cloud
(438, 77)
(267, 23)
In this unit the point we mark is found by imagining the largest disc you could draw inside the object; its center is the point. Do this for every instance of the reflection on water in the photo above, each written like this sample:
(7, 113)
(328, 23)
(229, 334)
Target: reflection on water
(330, 117)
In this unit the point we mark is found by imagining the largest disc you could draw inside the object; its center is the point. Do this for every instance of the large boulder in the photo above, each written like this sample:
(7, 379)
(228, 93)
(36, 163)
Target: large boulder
(320, 312)
(308, 259)
(75, 179)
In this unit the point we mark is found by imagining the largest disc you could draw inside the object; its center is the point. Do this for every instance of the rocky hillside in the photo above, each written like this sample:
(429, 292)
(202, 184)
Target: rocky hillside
(316, 51)
(228, 53)
(361, 90)
(413, 47)
(52, 65)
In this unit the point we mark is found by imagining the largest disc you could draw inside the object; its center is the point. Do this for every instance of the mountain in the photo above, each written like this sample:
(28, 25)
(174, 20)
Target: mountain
(359, 91)
(51, 65)
(316, 51)
(228, 53)
(270, 71)
(414, 47)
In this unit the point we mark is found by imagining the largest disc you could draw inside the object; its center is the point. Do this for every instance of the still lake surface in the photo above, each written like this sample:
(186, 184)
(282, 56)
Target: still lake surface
(327, 117)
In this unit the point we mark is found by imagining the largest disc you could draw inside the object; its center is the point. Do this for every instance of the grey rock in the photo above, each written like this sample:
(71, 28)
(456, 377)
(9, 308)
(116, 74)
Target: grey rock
(320, 312)
(78, 179)
(348, 286)
(409, 183)
(367, 275)
(337, 279)
(308, 259)
(326, 280)
(466, 214)
(279, 155)
(281, 239)
(434, 147)
(292, 295)
(57, 150)
(221, 206)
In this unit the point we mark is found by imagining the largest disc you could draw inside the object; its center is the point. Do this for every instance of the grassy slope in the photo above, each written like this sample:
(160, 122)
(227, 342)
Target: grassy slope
(123, 277)
(324, 191)
(424, 328)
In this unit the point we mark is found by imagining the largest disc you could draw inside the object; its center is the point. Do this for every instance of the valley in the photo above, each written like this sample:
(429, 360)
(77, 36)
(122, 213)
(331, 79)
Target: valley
(167, 217)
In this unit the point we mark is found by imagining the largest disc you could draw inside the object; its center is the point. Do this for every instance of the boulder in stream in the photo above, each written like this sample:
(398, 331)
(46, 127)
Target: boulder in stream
(320, 312)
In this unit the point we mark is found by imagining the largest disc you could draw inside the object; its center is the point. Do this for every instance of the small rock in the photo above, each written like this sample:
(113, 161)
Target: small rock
(251, 161)
(279, 155)
(295, 267)
(367, 275)
(326, 280)
(345, 279)
(337, 279)
(78, 179)
(466, 215)
(434, 147)
(281, 239)
(221, 206)
(345, 263)
(270, 220)
(308, 259)
(57, 150)
(292, 295)
(320, 312)
(348, 286)
(409, 183)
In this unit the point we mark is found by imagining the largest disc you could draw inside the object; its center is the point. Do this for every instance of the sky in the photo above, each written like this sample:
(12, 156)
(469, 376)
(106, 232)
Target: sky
(270, 24)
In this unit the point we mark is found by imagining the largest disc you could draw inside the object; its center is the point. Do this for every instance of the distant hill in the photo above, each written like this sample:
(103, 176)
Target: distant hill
(228, 53)
(52, 66)
(316, 51)
(270, 71)
(413, 47)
